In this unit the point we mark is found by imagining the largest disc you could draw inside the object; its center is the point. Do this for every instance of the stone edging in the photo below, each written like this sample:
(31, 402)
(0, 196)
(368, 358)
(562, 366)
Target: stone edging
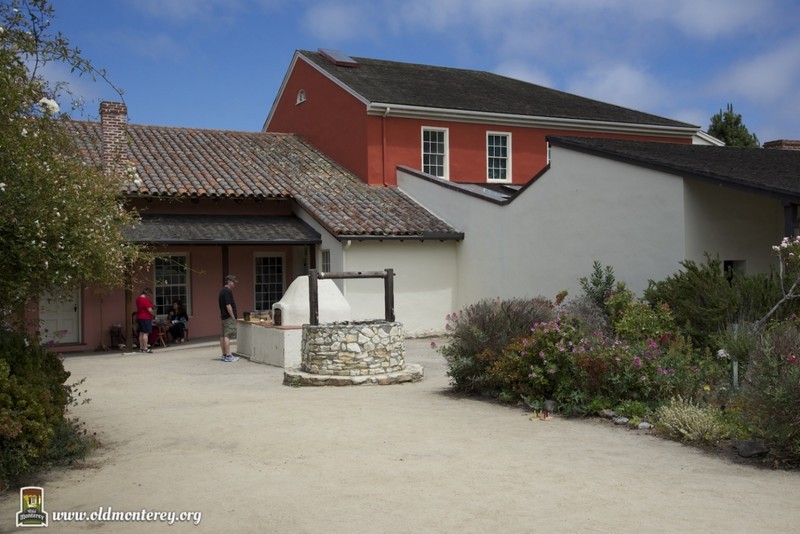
(411, 373)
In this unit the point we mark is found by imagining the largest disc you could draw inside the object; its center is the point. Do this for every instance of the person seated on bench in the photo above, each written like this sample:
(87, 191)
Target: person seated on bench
(179, 322)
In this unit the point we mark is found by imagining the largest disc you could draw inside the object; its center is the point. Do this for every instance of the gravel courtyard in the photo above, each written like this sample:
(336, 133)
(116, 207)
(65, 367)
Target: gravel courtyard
(182, 431)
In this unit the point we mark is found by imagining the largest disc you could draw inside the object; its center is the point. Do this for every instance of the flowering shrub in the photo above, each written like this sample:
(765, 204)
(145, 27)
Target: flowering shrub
(557, 359)
(479, 331)
(536, 365)
(771, 392)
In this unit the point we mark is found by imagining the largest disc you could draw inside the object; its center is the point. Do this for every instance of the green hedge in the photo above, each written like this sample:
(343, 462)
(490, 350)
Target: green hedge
(33, 400)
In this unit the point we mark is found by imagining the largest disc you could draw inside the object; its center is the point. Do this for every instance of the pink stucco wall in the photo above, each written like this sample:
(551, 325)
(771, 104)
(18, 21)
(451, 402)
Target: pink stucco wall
(101, 310)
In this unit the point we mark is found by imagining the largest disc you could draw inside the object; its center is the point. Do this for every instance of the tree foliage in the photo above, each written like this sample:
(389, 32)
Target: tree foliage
(61, 220)
(728, 127)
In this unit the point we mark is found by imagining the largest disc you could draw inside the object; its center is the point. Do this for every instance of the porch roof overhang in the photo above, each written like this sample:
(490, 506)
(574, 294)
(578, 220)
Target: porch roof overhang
(222, 230)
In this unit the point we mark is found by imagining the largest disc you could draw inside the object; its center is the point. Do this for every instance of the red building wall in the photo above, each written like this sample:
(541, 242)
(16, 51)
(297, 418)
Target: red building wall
(330, 118)
(467, 145)
(372, 146)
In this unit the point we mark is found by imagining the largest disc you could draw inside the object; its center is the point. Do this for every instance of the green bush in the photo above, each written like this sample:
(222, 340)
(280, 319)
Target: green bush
(635, 320)
(558, 361)
(771, 392)
(483, 329)
(738, 342)
(632, 409)
(600, 284)
(687, 421)
(700, 297)
(34, 429)
(757, 293)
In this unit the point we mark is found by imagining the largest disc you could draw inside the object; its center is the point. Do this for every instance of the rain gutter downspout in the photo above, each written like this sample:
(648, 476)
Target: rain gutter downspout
(383, 134)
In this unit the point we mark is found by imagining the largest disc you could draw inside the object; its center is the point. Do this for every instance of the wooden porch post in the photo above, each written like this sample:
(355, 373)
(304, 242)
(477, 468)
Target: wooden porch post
(313, 297)
(128, 332)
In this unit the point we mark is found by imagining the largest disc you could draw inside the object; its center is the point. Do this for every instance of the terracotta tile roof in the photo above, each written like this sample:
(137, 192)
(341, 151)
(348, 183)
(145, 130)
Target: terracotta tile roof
(197, 163)
(771, 171)
(393, 82)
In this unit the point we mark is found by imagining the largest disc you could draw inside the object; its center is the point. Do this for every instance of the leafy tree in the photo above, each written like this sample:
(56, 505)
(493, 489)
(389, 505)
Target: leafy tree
(61, 221)
(728, 127)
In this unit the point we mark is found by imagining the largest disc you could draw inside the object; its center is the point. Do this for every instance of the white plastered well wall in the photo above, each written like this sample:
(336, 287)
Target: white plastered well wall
(424, 291)
(424, 282)
(734, 224)
(582, 209)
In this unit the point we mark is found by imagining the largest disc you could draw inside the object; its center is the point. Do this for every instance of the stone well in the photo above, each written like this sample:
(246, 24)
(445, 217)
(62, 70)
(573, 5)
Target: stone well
(353, 353)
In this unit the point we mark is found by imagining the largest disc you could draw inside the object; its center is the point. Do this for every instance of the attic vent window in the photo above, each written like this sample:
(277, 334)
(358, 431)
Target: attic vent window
(301, 97)
(337, 58)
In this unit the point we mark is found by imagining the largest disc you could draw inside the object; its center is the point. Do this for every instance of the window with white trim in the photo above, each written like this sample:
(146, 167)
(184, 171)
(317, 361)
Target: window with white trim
(269, 280)
(171, 282)
(498, 157)
(434, 152)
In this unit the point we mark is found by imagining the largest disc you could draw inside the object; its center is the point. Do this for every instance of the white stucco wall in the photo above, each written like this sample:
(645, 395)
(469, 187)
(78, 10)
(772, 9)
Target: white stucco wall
(424, 289)
(582, 209)
(424, 282)
(735, 225)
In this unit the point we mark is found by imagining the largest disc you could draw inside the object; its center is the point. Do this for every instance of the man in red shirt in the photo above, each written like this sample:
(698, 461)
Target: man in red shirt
(145, 313)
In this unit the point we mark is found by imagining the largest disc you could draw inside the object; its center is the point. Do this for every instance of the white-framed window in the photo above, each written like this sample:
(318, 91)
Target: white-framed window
(435, 152)
(171, 282)
(325, 264)
(269, 280)
(498, 157)
(301, 97)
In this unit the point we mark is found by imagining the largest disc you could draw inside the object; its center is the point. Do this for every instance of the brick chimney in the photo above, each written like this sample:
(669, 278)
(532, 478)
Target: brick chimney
(114, 125)
(783, 144)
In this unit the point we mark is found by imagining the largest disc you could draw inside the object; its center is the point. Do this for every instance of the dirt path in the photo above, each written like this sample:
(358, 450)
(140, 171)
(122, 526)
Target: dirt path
(182, 431)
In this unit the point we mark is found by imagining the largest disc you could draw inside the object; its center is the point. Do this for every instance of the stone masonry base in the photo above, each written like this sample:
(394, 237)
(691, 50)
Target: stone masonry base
(295, 377)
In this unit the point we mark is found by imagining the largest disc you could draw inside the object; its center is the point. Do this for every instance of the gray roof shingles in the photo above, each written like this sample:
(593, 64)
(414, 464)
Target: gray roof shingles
(398, 83)
(196, 163)
(228, 229)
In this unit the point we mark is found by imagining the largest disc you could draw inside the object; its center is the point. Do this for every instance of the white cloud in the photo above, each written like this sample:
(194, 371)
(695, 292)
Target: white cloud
(619, 84)
(185, 10)
(700, 19)
(525, 72)
(333, 22)
(158, 47)
(772, 76)
(83, 87)
(697, 116)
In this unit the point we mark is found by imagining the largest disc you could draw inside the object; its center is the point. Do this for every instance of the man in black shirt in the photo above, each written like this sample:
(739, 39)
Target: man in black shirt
(227, 312)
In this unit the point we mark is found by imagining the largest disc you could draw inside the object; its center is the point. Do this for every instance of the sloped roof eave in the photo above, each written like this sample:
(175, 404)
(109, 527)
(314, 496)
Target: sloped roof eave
(757, 182)
(222, 229)
(485, 117)
(425, 236)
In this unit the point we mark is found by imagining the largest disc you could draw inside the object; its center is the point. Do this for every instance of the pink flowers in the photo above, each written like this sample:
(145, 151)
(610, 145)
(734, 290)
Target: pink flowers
(791, 358)
(636, 363)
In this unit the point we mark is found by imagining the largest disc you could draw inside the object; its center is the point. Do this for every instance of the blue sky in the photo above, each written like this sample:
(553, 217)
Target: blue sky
(219, 63)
